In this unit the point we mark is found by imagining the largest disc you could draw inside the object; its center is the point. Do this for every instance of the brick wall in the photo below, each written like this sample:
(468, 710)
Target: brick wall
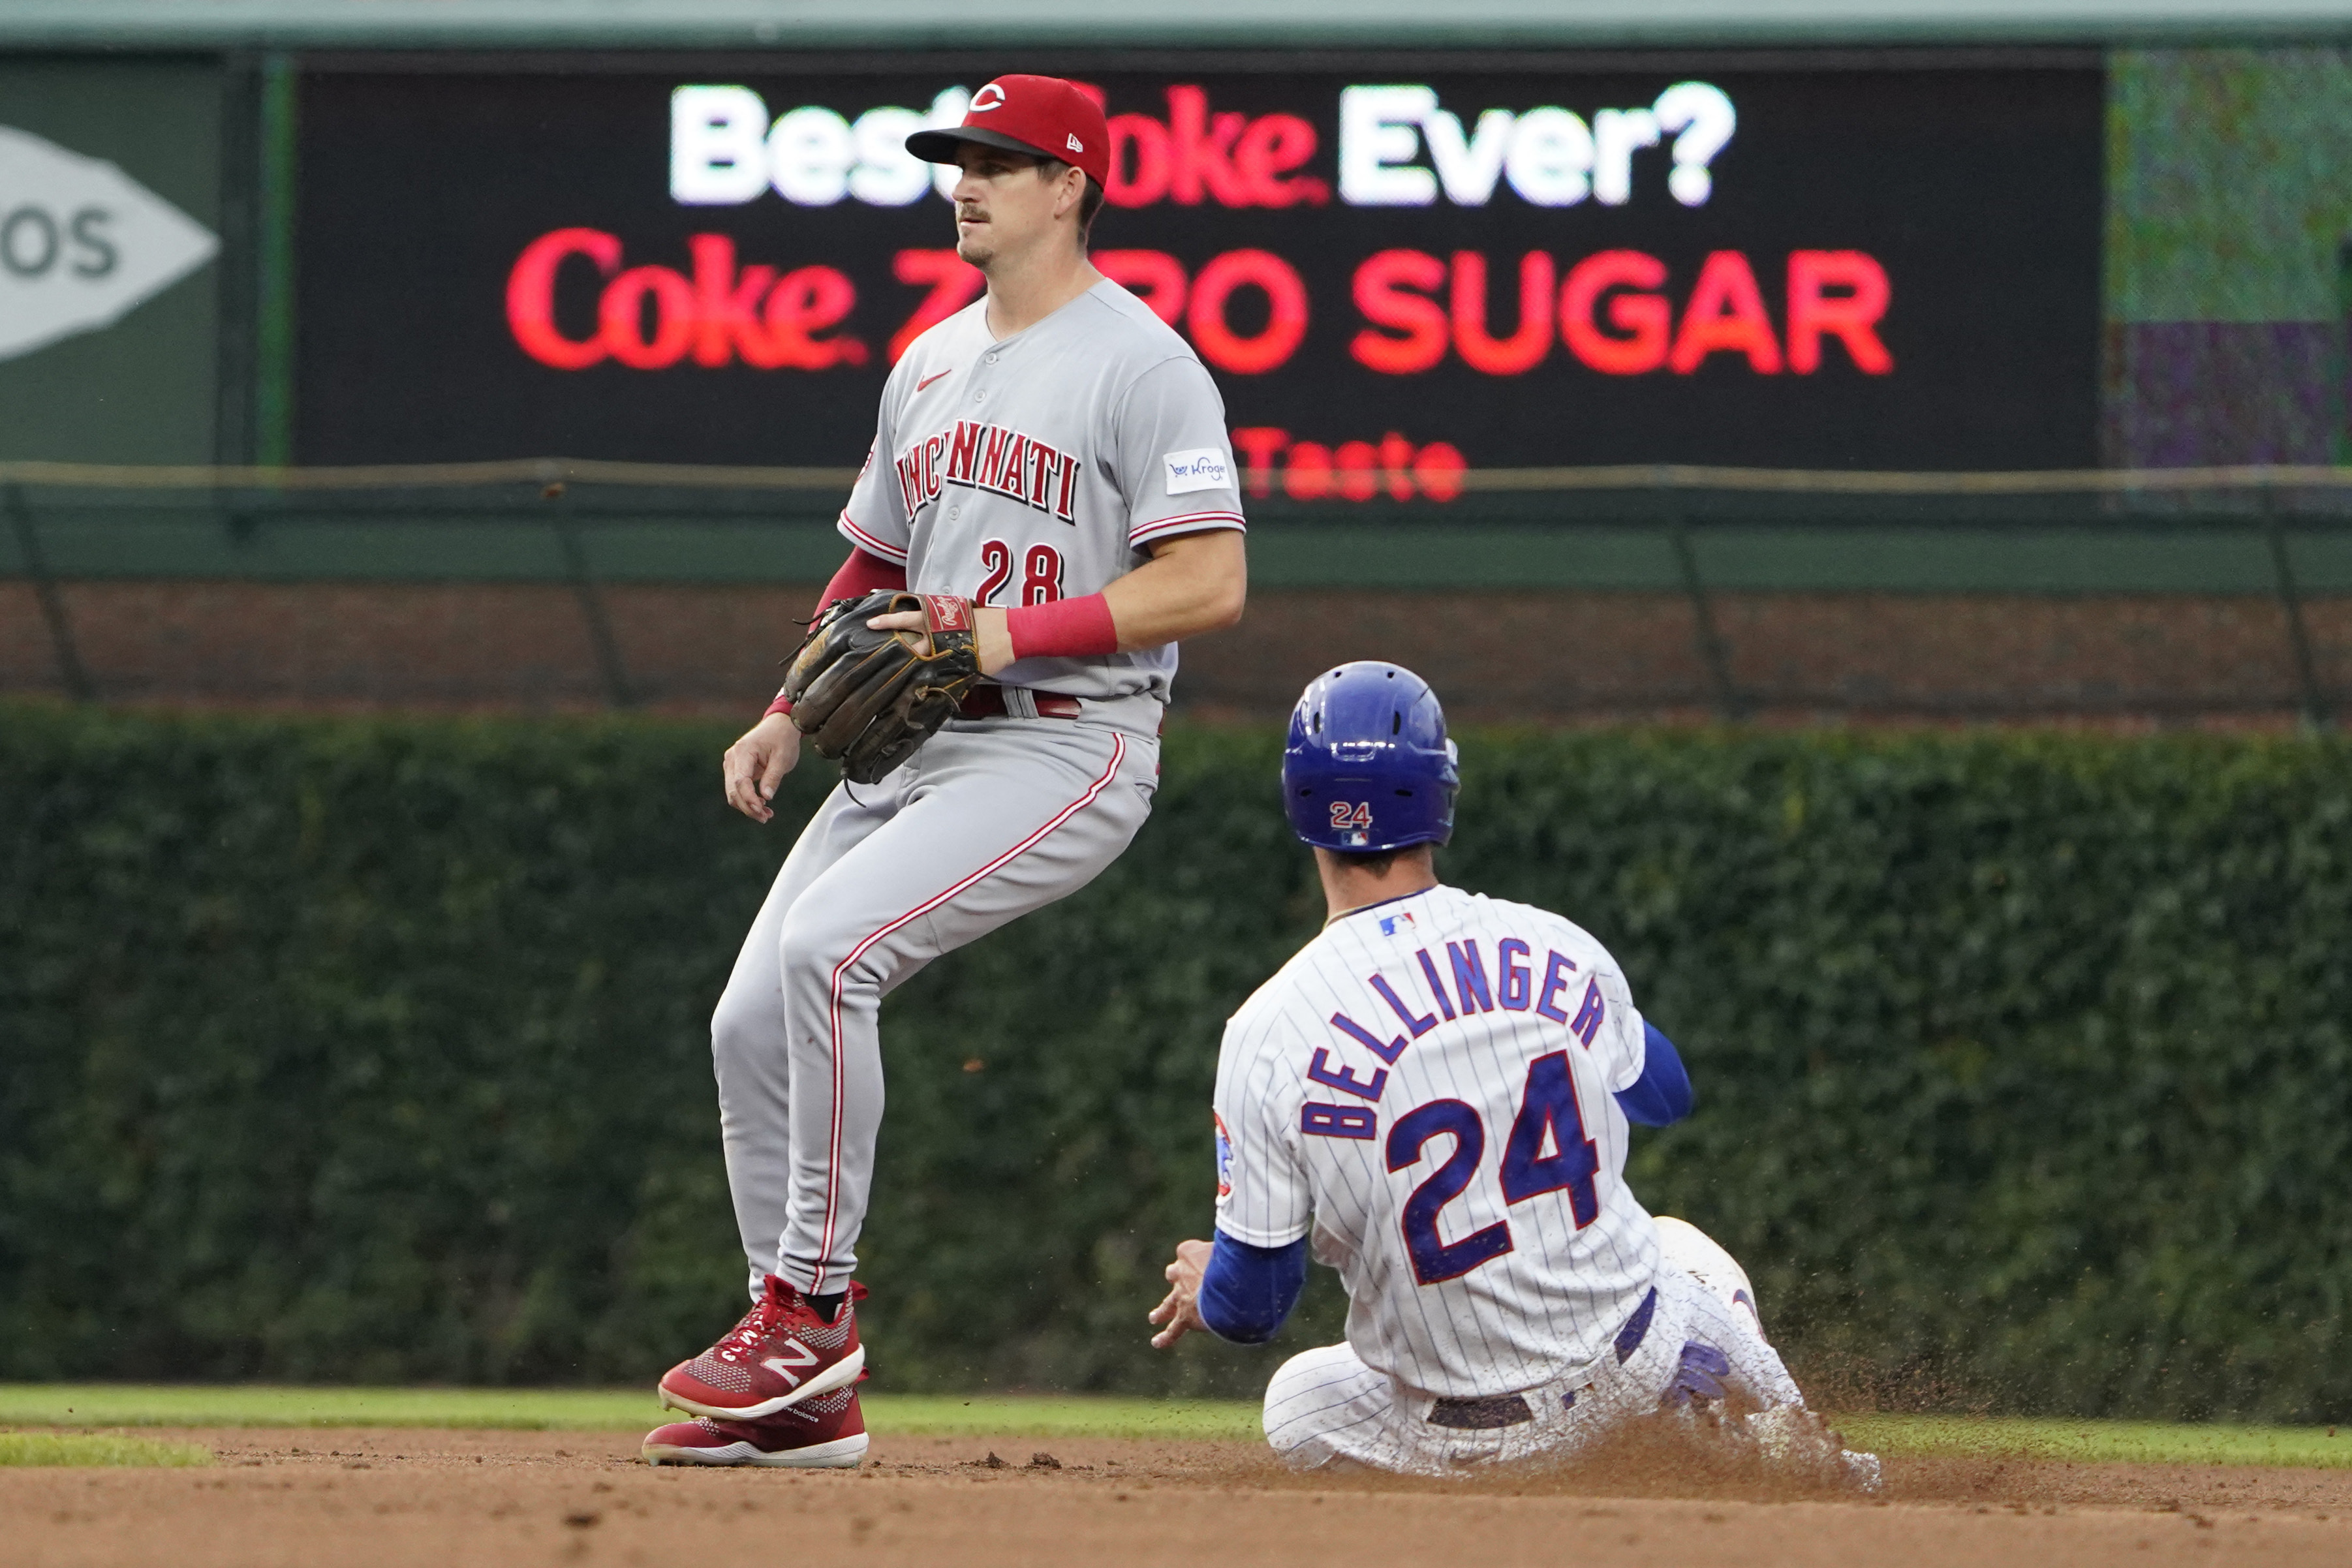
(1555, 657)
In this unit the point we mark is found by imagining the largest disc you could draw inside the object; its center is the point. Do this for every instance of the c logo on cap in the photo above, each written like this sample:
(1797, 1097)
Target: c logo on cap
(988, 98)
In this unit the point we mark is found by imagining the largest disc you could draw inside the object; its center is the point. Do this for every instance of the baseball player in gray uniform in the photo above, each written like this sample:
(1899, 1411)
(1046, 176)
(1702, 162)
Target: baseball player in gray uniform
(1058, 456)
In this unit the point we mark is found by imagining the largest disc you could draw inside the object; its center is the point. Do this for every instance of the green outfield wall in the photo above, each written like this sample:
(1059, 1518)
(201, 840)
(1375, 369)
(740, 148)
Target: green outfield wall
(376, 1051)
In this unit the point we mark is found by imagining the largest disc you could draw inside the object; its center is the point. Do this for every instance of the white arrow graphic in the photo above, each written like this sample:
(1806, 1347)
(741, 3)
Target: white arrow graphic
(81, 243)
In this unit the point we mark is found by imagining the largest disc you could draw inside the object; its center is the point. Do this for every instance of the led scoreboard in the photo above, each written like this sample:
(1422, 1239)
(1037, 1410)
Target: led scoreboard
(1394, 272)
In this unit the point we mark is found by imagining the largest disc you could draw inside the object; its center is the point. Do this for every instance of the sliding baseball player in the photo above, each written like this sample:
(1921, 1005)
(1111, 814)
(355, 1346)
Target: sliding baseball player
(1433, 1097)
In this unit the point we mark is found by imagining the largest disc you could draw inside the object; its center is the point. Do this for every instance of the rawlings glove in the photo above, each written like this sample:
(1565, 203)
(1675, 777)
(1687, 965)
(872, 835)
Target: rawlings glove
(867, 699)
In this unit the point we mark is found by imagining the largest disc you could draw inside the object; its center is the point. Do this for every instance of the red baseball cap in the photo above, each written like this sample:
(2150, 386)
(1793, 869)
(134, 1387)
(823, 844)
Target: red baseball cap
(1044, 116)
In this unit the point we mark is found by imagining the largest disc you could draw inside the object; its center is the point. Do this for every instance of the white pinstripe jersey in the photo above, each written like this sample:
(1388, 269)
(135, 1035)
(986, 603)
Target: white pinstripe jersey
(1037, 466)
(1429, 1085)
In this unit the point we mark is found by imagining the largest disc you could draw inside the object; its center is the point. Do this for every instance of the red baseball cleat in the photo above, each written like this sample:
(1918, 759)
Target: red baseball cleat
(827, 1432)
(781, 1354)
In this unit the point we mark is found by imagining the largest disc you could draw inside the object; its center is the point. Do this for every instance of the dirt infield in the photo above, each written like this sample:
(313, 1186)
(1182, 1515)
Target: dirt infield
(454, 1500)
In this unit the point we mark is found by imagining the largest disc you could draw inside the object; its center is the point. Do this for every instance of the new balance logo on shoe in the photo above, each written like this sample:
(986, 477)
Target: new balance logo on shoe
(782, 1365)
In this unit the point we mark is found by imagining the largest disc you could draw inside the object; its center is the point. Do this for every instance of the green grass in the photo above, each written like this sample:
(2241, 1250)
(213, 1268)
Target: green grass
(566, 1409)
(2094, 1442)
(238, 1404)
(1044, 1416)
(95, 1449)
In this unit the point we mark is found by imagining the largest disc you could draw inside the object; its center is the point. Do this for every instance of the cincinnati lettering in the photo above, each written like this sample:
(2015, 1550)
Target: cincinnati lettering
(992, 458)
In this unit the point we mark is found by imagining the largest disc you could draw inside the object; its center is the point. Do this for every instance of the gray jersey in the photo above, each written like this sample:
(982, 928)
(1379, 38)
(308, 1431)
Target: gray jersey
(1039, 466)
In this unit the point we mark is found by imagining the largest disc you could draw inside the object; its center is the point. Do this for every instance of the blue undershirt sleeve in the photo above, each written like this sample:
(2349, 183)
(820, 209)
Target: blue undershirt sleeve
(1663, 1094)
(1249, 1291)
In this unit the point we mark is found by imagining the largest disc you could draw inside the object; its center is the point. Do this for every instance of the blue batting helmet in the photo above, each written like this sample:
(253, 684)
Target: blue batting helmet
(1368, 768)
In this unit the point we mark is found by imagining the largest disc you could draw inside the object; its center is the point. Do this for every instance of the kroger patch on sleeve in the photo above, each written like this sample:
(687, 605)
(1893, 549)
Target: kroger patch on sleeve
(1202, 468)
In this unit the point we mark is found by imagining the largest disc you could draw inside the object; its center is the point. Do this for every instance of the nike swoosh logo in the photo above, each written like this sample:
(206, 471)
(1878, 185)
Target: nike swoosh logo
(930, 379)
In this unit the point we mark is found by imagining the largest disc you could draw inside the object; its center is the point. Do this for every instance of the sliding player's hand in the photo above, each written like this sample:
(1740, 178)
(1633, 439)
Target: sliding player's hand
(1180, 1313)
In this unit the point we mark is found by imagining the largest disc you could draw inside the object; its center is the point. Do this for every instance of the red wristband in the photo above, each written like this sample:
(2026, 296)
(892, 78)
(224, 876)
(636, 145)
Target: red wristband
(782, 705)
(1067, 629)
(862, 573)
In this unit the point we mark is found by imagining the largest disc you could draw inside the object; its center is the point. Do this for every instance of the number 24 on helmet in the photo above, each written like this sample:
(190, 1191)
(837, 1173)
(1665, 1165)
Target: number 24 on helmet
(1368, 768)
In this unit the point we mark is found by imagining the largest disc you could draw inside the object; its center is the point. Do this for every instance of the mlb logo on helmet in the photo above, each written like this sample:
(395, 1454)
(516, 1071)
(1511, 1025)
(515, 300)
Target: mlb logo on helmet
(1044, 116)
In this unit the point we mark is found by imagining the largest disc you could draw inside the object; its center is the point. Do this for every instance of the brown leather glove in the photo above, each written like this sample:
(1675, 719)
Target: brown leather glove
(867, 699)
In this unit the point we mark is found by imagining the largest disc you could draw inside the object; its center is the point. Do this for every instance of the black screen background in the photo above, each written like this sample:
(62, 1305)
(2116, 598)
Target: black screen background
(1978, 189)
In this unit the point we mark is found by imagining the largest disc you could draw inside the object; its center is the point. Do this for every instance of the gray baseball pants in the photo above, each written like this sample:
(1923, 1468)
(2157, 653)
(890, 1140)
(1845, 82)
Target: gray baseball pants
(991, 819)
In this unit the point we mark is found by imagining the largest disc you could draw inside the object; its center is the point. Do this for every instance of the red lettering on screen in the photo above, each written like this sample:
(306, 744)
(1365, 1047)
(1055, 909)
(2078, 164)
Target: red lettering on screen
(1393, 290)
(1259, 445)
(1270, 147)
(805, 302)
(1354, 470)
(1525, 349)
(1154, 276)
(1197, 155)
(1201, 147)
(1851, 316)
(1140, 157)
(531, 295)
(954, 282)
(727, 305)
(623, 313)
(1725, 314)
(648, 318)
(1396, 462)
(1615, 315)
(1286, 324)
(1438, 469)
(1640, 322)
(1618, 312)
(1307, 470)
(1200, 304)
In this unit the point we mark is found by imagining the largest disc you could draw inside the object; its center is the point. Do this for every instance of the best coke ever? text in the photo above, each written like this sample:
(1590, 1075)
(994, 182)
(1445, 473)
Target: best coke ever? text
(724, 149)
